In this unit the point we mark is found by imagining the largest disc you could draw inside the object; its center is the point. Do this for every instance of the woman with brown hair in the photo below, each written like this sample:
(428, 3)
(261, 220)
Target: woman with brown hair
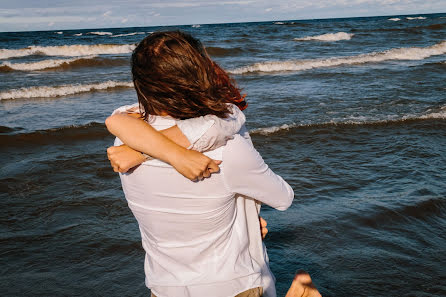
(200, 238)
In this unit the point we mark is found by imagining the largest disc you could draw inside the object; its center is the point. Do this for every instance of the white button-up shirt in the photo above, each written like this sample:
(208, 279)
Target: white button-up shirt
(203, 238)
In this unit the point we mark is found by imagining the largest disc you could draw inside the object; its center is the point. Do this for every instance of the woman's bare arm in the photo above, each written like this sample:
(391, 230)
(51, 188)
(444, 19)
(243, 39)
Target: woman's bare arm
(141, 137)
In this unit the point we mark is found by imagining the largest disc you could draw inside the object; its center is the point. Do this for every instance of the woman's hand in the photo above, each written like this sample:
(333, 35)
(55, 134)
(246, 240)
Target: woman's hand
(193, 165)
(263, 228)
(122, 158)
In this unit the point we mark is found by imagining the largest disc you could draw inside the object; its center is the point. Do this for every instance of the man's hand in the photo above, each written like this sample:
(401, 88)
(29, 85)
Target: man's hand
(194, 165)
(263, 228)
(122, 158)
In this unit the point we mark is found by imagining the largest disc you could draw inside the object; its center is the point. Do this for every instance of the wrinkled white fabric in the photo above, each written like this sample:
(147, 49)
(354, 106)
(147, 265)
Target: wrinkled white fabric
(203, 239)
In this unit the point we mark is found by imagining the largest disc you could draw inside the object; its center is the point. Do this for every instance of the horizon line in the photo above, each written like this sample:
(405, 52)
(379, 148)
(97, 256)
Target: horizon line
(287, 20)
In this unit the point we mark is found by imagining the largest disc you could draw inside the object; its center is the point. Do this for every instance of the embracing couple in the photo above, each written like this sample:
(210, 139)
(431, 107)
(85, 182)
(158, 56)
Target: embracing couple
(197, 192)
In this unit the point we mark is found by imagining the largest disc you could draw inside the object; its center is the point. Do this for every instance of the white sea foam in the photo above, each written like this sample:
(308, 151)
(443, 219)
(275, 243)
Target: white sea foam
(410, 53)
(41, 65)
(273, 129)
(68, 50)
(63, 90)
(435, 114)
(279, 23)
(328, 37)
(357, 120)
(395, 19)
(196, 26)
(77, 34)
(128, 34)
(100, 33)
(60, 32)
(416, 18)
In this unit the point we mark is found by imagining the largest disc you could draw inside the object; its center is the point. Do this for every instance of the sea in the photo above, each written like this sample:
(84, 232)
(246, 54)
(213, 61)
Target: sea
(350, 111)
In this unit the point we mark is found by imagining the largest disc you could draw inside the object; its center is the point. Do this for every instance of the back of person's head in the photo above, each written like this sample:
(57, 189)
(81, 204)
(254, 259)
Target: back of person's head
(173, 74)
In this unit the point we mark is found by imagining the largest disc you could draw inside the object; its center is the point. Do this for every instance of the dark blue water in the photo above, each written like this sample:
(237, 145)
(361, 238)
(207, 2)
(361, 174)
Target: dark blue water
(354, 121)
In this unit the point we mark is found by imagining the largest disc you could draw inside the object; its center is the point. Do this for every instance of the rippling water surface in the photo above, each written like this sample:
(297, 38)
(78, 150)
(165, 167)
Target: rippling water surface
(351, 112)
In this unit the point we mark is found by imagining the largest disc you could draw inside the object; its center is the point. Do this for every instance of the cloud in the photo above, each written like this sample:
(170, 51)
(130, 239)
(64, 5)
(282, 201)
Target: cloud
(124, 20)
(50, 24)
(107, 13)
(268, 9)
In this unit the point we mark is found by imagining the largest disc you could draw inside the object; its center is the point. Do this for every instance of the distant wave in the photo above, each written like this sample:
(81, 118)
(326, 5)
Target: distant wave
(395, 19)
(279, 23)
(100, 33)
(62, 64)
(416, 18)
(60, 32)
(63, 90)
(410, 53)
(77, 34)
(68, 50)
(128, 34)
(328, 37)
(429, 115)
(196, 26)
(223, 51)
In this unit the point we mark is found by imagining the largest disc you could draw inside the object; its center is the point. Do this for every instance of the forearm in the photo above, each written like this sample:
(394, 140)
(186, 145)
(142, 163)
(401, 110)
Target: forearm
(142, 137)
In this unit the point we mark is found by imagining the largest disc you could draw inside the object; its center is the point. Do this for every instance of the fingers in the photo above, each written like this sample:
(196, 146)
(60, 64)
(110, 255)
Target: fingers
(263, 228)
(264, 232)
(263, 223)
(213, 166)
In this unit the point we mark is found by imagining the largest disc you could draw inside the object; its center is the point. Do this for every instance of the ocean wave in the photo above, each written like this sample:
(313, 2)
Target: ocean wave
(416, 18)
(128, 34)
(62, 64)
(68, 50)
(431, 114)
(63, 90)
(60, 32)
(409, 53)
(100, 33)
(394, 19)
(77, 34)
(196, 26)
(328, 37)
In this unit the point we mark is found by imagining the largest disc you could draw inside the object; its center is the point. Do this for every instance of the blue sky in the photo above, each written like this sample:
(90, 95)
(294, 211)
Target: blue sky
(29, 15)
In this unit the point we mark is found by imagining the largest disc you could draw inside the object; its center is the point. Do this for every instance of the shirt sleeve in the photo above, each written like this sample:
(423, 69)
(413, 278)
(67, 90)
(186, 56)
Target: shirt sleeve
(210, 132)
(245, 172)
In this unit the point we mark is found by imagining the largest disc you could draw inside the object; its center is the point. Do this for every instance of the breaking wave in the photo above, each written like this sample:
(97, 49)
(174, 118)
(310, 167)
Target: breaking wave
(62, 64)
(63, 90)
(416, 18)
(128, 34)
(100, 33)
(395, 19)
(410, 53)
(430, 114)
(68, 50)
(328, 37)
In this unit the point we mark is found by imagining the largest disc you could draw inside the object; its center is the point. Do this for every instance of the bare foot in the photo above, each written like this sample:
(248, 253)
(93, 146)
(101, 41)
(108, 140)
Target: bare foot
(302, 286)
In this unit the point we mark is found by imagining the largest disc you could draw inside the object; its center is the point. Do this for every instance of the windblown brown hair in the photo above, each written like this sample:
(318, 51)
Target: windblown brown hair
(173, 74)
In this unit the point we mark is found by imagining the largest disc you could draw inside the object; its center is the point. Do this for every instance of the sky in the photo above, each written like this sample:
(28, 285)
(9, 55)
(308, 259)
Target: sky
(30, 15)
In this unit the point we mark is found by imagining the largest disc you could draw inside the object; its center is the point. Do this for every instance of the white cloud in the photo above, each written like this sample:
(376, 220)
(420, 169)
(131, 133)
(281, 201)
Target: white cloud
(107, 13)
(50, 24)
(124, 20)
(268, 9)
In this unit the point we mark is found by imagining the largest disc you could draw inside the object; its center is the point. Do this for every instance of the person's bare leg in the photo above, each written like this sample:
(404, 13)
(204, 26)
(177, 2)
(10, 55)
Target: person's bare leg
(302, 286)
